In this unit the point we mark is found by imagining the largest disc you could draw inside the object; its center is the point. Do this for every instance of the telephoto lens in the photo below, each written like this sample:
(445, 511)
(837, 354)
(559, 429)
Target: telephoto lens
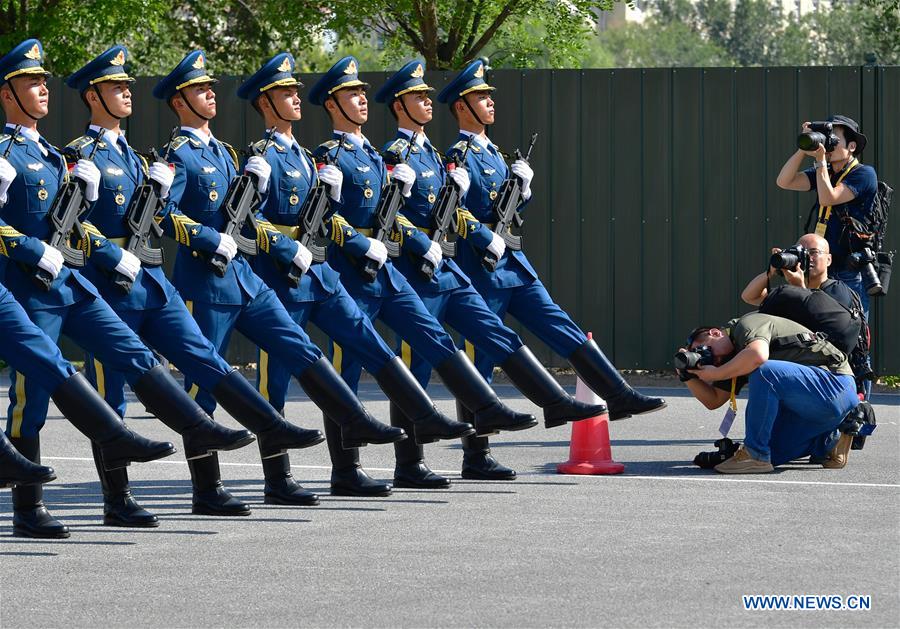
(810, 140)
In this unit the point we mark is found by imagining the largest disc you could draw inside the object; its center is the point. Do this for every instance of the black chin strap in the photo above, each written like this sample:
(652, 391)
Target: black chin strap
(472, 111)
(344, 113)
(191, 107)
(19, 103)
(409, 115)
(274, 108)
(103, 102)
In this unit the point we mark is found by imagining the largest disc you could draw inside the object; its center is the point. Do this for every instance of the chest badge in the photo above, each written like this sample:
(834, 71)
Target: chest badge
(294, 199)
(368, 193)
(431, 197)
(42, 194)
(213, 195)
(489, 171)
(120, 199)
(493, 195)
(209, 169)
(35, 167)
(115, 172)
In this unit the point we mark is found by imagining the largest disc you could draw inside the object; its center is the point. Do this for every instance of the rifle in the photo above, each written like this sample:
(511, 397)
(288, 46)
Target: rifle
(312, 221)
(385, 218)
(443, 214)
(506, 211)
(241, 201)
(68, 204)
(140, 218)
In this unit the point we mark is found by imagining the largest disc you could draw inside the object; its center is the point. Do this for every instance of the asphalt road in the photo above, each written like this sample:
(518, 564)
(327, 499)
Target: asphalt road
(663, 545)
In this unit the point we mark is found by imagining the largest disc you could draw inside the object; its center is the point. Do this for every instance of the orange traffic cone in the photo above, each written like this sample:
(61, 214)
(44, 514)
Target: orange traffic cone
(589, 450)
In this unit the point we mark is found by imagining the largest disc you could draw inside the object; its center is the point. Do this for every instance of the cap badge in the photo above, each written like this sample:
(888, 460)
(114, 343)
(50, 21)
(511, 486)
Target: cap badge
(198, 64)
(351, 67)
(34, 53)
(480, 71)
(119, 59)
(418, 73)
(285, 65)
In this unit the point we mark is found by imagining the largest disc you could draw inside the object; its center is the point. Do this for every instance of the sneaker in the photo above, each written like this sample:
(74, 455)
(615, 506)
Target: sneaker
(839, 454)
(743, 463)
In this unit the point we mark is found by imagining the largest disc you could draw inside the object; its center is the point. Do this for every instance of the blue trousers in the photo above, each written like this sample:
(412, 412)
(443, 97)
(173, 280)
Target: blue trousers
(172, 332)
(794, 410)
(532, 306)
(405, 314)
(465, 311)
(93, 326)
(265, 322)
(340, 319)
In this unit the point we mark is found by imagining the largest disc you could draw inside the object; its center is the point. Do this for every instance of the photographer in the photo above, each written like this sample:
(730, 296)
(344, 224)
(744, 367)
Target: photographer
(844, 187)
(801, 388)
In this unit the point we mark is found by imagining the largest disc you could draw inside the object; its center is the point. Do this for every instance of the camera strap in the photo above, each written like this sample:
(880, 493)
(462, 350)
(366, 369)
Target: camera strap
(824, 212)
(731, 413)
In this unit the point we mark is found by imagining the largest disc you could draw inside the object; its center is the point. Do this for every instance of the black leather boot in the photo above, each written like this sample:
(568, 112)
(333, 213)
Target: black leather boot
(536, 383)
(330, 393)
(243, 402)
(119, 506)
(478, 463)
(404, 390)
(410, 470)
(465, 384)
(595, 370)
(30, 516)
(347, 476)
(90, 414)
(281, 488)
(163, 397)
(210, 496)
(15, 469)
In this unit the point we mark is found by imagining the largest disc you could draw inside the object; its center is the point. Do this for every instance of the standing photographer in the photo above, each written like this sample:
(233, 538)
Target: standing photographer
(844, 186)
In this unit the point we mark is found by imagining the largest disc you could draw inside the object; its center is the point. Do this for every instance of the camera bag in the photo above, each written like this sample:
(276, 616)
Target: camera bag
(817, 311)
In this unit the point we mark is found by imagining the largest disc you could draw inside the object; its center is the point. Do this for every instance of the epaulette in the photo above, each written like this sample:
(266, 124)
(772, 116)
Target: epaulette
(178, 142)
(233, 153)
(79, 143)
(397, 146)
(459, 146)
(4, 137)
(329, 145)
(261, 144)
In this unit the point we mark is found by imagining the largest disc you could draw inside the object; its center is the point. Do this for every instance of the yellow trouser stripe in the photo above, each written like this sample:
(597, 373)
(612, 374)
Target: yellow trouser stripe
(406, 354)
(193, 392)
(338, 357)
(190, 307)
(470, 351)
(101, 379)
(122, 242)
(264, 374)
(19, 408)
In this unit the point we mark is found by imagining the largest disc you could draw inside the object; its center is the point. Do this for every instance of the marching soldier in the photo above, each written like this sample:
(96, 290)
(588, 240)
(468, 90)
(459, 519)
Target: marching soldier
(319, 296)
(204, 168)
(389, 296)
(148, 303)
(60, 300)
(447, 293)
(513, 286)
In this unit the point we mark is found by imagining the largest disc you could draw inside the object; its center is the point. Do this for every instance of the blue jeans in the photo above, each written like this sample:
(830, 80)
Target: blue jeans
(794, 410)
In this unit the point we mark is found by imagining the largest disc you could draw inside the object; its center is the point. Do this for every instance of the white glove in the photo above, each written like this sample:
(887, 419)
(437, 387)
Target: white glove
(377, 251)
(333, 177)
(227, 247)
(259, 167)
(406, 175)
(497, 246)
(88, 172)
(7, 174)
(51, 261)
(129, 265)
(523, 171)
(434, 254)
(303, 257)
(460, 176)
(163, 175)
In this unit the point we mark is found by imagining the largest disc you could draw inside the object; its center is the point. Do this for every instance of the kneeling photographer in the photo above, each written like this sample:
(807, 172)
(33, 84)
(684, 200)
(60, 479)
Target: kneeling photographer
(806, 265)
(801, 388)
(845, 212)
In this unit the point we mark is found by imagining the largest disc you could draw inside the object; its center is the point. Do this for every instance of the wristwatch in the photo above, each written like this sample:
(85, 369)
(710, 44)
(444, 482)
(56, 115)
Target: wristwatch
(819, 165)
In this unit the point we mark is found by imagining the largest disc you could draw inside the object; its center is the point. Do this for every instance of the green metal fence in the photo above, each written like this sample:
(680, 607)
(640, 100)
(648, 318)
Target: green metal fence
(655, 197)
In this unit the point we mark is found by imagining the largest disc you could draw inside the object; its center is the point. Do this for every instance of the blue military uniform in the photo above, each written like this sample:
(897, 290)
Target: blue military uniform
(513, 286)
(72, 306)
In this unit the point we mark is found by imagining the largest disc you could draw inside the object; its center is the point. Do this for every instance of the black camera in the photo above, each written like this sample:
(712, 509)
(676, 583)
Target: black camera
(819, 133)
(791, 259)
(702, 355)
(864, 261)
(726, 449)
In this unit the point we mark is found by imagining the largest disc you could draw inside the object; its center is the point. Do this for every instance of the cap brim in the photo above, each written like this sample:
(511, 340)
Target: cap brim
(25, 71)
(478, 88)
(417, 88)
(121, 76)
(347, 85)
(281, 83)
(196, 81)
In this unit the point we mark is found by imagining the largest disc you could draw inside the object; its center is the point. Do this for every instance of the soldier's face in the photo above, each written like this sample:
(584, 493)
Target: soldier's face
(483, 106)
(202, 99)
(418, 104)
(33, 94)
(353, 102)
(287, 102)
(117, 96)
